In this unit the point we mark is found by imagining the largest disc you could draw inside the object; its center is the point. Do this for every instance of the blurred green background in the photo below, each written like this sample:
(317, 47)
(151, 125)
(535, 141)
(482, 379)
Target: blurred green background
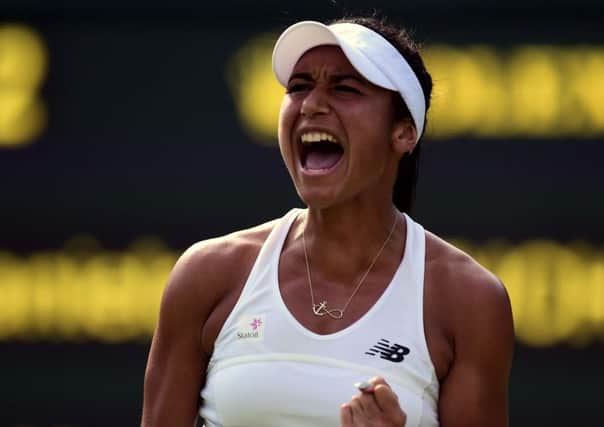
(130, 130)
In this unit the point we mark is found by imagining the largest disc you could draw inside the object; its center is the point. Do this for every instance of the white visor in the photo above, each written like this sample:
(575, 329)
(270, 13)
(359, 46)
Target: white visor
(368, 52)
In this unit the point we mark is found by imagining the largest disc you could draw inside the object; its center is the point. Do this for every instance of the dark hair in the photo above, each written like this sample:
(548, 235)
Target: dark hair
(403, 194)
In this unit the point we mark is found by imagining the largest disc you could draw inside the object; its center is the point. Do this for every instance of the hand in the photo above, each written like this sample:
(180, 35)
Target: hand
(376, 406)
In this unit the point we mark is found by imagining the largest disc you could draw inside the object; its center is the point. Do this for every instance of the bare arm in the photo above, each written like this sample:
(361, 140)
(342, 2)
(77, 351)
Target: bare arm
(177, 363)
(475, 391)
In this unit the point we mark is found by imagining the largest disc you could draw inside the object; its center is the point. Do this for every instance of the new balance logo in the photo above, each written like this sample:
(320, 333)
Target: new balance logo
(393, 352)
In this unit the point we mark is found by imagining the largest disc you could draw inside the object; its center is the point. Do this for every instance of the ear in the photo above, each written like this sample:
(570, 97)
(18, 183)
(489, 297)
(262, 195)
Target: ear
(404, 137)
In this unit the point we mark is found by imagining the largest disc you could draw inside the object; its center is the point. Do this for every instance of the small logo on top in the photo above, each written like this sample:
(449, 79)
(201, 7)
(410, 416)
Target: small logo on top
(251, 327)
(393, 352)
(256, 323)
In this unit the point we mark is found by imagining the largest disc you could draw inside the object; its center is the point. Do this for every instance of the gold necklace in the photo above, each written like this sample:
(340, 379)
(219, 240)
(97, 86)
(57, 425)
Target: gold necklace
(322, 308)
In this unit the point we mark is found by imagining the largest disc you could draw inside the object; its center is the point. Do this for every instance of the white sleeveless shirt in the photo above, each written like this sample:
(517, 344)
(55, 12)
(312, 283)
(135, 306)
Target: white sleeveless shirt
(267, 370)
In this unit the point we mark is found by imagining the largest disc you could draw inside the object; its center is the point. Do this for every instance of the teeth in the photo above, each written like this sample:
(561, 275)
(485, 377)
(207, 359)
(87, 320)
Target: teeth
(310, 137)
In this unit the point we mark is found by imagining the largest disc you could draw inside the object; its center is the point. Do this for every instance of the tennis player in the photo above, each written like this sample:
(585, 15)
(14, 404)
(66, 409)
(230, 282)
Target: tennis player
(347, 313)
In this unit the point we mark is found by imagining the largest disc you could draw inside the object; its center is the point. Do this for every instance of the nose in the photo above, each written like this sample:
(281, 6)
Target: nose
(315, 103)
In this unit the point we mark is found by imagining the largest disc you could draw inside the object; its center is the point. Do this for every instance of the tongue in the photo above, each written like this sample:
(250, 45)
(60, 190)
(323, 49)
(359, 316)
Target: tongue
(318, 160)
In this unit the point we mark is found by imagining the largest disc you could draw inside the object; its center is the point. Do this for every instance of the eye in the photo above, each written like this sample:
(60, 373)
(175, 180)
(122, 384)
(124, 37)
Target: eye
(347, 88)
(297, 87)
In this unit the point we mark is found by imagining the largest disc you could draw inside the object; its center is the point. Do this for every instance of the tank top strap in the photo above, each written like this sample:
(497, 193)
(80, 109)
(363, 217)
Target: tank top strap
(415, 250)
(270, 249)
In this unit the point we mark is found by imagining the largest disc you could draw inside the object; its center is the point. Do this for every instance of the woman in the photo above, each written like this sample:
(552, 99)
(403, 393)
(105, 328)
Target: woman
(275, 324)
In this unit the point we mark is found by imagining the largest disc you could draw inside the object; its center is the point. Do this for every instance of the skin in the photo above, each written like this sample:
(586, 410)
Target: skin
(467, 314)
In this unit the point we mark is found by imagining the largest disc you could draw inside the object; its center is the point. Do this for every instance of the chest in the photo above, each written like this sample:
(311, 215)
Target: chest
(326, 303)
(296, 295)
(331, 307)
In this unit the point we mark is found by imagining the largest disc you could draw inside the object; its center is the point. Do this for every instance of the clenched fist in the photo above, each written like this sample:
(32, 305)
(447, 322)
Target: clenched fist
(375, 406)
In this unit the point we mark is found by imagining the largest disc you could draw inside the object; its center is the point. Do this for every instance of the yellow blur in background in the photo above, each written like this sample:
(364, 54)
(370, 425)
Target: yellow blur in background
(528, 91)
(481, 91)
(23, 67)
(557, 292)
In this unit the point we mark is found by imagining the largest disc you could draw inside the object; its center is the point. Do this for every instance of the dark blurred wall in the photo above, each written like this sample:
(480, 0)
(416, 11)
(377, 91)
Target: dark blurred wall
(143, 139)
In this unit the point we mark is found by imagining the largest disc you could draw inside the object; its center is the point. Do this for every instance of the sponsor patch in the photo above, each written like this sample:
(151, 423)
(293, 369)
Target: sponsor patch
(251, 327)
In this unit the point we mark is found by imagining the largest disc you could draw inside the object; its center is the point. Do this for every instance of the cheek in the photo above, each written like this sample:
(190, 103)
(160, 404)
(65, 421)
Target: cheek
(377, 123)
(371, 131)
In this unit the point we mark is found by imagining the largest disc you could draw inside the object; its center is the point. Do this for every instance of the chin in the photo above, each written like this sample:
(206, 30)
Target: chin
(317, 200)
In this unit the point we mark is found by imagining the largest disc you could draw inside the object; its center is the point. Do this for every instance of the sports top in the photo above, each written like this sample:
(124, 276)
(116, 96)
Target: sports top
(267, 370)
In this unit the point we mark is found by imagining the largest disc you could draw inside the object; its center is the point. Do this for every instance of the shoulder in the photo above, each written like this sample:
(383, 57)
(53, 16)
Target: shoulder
(458, 273)
(209, 269)
(219, 252)
(472, 295)
(218, 259)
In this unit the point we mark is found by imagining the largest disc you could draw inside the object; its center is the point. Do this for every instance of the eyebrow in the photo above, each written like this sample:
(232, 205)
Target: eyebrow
(301, 76)
(341, 77)
(337, 78)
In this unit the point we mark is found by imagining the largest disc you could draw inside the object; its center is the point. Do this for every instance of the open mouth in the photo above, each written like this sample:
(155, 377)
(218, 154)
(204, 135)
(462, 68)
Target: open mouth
(319, 151)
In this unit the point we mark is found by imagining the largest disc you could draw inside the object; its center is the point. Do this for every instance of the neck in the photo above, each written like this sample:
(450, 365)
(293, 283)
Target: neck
(343, 241)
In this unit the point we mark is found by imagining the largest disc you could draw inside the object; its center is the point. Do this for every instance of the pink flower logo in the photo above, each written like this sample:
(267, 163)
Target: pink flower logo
(256, 323)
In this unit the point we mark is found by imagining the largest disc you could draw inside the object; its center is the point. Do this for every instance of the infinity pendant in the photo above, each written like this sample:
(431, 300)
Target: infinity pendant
(321, 310)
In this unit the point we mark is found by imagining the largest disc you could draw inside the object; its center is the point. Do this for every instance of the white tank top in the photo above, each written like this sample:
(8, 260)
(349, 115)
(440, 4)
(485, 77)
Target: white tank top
(267, 370)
